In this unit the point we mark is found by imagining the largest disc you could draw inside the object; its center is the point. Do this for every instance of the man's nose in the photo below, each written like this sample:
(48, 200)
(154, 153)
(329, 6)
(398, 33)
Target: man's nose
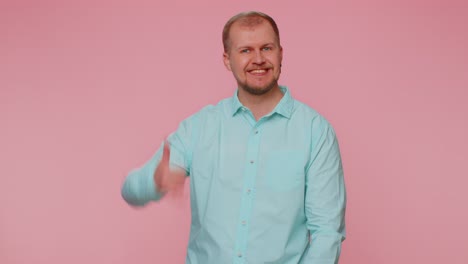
(259, 57)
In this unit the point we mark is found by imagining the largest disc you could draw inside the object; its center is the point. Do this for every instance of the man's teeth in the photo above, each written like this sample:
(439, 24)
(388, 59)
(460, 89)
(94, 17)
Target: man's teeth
(258, 71)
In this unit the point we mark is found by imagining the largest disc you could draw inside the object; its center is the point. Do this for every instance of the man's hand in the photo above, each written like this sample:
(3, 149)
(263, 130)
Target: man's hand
(168, 180)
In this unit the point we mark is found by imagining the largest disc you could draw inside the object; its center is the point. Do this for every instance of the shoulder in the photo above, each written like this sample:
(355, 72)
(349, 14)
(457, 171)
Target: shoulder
(306, 112)
(210, 113)
(310, 117)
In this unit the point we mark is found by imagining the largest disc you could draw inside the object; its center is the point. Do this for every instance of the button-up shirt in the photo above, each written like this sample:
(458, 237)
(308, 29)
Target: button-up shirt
(266, 191)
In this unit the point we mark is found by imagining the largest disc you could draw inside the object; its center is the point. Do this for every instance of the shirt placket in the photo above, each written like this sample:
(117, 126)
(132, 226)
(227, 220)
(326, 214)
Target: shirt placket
(248, 193)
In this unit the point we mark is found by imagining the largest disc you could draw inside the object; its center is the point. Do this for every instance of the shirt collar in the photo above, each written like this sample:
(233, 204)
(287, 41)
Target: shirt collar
(284, 107)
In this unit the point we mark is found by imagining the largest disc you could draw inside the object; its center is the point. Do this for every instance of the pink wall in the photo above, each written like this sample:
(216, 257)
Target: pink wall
(89, 89)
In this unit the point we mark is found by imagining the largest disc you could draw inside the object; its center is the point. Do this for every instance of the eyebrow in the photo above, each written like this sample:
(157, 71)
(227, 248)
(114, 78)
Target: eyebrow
(249, 47)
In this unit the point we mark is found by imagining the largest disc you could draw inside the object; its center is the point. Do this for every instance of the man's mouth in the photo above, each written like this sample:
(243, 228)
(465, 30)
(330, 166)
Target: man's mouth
(258, 71)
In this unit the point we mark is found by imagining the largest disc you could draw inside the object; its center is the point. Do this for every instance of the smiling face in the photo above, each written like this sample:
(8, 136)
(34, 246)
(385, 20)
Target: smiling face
(254, 57)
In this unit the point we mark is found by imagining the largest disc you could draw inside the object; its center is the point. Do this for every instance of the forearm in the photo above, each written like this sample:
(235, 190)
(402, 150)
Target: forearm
(328, 231)
(326, 221)
(139, 188)
(325, 248)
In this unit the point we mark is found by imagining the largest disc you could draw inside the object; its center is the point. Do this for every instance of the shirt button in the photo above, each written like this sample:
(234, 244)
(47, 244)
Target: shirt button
(244, 222)
(251, 162)
(248, 191)
(256, 131)
(239, 255)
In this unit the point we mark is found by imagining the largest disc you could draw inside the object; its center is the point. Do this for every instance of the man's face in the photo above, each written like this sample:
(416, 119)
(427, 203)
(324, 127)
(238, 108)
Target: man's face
(254, 57)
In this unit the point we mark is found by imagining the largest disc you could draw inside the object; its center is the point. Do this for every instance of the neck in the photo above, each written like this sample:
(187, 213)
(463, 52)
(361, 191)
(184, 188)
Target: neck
(260, 105)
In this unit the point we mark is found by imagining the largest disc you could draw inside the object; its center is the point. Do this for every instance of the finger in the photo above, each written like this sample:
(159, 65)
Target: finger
(166, 152)
(162, 171)
(159, 176)
(177, 186)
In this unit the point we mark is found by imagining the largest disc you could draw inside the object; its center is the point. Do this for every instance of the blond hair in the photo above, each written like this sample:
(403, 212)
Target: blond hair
(249, 19)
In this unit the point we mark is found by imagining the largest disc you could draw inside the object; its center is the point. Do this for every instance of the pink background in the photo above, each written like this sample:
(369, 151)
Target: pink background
(89, 89)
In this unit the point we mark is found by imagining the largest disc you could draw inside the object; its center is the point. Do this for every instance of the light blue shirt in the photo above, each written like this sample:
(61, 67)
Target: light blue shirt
(266, 191)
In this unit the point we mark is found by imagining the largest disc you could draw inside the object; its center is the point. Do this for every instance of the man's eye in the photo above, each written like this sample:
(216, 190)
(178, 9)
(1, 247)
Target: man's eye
(267, 48)
(245, 51)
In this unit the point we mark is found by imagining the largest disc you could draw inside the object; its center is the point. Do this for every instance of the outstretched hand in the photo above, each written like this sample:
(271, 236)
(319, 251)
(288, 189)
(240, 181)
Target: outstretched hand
(168, 180)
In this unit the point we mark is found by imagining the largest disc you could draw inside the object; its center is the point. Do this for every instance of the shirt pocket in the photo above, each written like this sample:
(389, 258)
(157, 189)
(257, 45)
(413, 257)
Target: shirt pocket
(284, 170)
(201, 169)
(204, 162)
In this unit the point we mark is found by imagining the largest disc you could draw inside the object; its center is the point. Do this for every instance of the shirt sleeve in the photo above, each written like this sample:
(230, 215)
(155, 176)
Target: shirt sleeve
(325, 200)
(139, 186)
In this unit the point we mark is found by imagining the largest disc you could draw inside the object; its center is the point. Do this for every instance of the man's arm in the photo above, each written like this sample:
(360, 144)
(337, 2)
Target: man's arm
(164, 172)
(139, 187)
(325, 200)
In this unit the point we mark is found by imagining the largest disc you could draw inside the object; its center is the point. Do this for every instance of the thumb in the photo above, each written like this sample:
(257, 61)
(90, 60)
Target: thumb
(166, 152)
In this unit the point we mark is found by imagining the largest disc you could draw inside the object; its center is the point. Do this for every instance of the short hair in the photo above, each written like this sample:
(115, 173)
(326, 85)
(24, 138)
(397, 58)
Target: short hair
(250, 19)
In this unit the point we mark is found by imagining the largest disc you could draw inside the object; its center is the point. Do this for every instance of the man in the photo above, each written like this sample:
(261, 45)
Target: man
(266, 176)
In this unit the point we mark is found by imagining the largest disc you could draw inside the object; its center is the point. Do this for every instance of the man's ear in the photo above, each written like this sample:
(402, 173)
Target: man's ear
(281, 54)
(227, 61)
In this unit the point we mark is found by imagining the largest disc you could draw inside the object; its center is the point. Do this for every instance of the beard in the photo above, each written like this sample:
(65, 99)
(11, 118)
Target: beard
(258, 90)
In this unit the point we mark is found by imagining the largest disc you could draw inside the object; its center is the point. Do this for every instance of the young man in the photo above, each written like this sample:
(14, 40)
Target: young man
(266, 176)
